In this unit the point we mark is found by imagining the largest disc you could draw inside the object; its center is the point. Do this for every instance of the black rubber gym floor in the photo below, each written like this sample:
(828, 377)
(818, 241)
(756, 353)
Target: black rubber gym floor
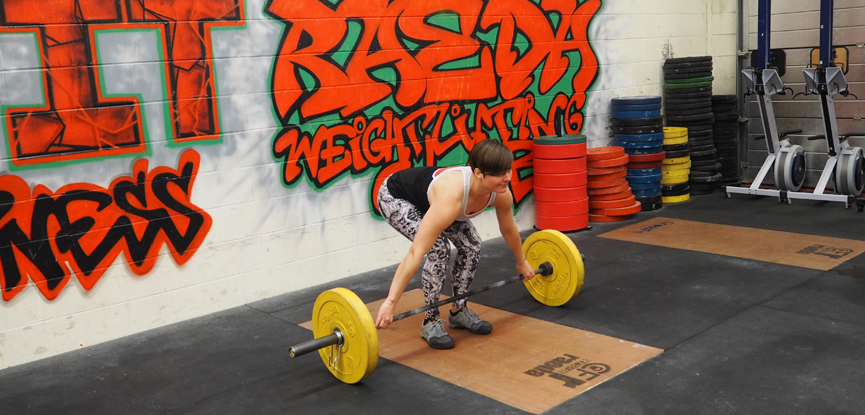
(739, 336)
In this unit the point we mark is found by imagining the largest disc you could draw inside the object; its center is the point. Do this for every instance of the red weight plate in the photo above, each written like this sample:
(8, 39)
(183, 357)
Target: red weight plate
(559, 151)
(649, 165)
(601, 172)
(577, 207)
(612, 196)
(565, 194)
(609, 190)
(647, 158)
(608, 204)
(612, 176)
(558, 181)
(618, 161)
(622, 211)
(602, 218)
(560, 166)
(600, 184)
(562, 223)
(604, 153)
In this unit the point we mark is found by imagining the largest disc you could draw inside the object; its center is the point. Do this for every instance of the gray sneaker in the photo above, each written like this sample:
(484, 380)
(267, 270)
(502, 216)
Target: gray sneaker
(468, 319)
(435, 335)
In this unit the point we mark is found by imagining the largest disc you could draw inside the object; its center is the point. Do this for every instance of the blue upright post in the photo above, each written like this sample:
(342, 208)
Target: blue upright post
(764, 32)
(827, 7)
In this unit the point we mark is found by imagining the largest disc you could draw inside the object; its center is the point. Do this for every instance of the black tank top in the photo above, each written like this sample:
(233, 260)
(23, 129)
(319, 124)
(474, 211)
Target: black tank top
(411, 185)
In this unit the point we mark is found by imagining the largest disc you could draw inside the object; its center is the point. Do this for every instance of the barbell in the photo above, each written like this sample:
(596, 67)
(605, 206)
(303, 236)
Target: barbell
(345, 334)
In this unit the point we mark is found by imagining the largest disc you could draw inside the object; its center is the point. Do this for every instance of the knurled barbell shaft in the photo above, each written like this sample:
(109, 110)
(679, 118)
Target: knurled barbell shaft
(336, 337)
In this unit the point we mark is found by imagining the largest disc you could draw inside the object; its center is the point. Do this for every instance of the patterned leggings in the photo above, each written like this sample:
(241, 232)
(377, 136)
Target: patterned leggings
(405, 218)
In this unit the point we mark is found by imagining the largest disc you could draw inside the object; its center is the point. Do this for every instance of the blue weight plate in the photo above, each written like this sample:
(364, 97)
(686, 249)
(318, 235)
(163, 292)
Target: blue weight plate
(636, 114)
(644, 100)
(644, 186)
(639, 144)
(644, 172)
(645, 179)
(645, 193)
(650, 150)
(635, 107)
(641, 137)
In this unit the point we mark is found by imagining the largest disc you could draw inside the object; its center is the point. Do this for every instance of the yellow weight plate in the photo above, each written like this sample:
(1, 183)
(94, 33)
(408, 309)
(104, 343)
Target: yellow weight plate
(674, 167)
(675, 199)
(341, 309)
(675, 132)
(677, 160)
(668, 141)
(674, 180)
(567, 278)
(675, 173)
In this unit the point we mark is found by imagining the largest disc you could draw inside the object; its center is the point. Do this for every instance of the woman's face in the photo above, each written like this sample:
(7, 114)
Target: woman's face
(498, 184)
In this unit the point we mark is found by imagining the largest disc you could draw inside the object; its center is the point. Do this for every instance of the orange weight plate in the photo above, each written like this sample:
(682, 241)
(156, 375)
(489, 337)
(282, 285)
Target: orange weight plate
(562, 223)
(622, 211)
(609, 204)
(558, 181)
(611, 196)
(609, 190)
(559, 166)
(601, 172)
(647, 158)
(619, 175)
(601, 184)
(606, 163)
(604, 153)
(602, 218)
(576, 207)
(565, 194)
(558, 152)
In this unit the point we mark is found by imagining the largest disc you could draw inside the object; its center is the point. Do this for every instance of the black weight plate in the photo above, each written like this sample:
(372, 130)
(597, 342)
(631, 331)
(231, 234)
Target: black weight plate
(704, 185)
(701, 137)
(702, 153)
(668, 193)
(726, 117)
(674, 187)
(649, 199)
(687, 59)
(687, 112)
(701, 149)
(683, 101)
(634, 122)
(714, 177)
(643, 100)
(689, 106)
(697, 68)
(677, 154)
(725, 98)
(695, 92)
(687, 75)
(648, 129)
(677, 147)
(714, 168)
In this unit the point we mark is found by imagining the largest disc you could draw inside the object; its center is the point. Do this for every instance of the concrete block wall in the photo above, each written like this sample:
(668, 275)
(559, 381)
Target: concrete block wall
(166, 160)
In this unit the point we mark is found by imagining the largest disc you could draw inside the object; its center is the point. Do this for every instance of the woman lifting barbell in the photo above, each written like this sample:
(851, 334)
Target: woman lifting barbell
(431, 205)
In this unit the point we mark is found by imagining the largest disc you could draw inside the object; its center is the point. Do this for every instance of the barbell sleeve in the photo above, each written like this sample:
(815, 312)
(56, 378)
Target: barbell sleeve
(334, 338)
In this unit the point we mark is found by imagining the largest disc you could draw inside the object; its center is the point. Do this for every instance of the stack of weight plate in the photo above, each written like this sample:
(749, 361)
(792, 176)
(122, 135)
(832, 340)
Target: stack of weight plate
(561, 201)
(726, 136)
(643, 177)
(688, 103)
(610, 196)
(677, 166)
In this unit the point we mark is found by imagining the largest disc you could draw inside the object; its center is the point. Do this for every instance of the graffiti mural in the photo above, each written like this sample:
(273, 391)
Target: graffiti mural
(77, 120)
(88, 227)
(383, 85)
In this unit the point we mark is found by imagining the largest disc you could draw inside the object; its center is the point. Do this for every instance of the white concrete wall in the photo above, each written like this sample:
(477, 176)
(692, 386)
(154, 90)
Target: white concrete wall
(267, 238)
